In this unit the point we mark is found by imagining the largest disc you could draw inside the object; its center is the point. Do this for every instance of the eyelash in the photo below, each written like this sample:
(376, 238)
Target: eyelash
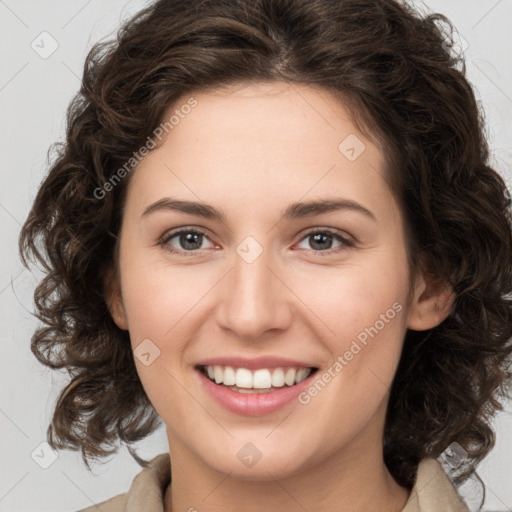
(346, 242)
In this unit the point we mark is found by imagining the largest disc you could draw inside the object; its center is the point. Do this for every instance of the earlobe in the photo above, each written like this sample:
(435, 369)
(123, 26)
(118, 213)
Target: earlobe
(432, 303)
(113, 299)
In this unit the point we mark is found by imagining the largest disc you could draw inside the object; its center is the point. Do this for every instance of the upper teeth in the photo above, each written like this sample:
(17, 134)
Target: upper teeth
(258, 379)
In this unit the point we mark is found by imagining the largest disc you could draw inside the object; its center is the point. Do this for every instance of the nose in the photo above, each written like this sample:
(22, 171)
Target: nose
(255, 299)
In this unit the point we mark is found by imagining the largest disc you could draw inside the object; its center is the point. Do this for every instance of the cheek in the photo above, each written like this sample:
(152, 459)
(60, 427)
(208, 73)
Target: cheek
(160, 303)
(364, 309)
(346, 302)
(157, 296)
(365, 351)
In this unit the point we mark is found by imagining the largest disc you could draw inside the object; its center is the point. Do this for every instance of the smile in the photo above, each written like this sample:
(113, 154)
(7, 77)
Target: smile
(263, 379)
(254, 392)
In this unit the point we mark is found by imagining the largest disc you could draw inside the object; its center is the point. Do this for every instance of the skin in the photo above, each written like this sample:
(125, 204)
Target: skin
(250, 151)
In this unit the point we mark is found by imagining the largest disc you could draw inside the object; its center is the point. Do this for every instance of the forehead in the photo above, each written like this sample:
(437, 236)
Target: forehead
(272, 140)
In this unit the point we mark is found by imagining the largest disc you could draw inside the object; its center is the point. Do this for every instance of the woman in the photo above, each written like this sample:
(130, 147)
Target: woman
(274, 226)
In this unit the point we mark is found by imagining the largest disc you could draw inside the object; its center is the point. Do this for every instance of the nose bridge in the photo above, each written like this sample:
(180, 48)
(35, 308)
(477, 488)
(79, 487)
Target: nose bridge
(254, 299)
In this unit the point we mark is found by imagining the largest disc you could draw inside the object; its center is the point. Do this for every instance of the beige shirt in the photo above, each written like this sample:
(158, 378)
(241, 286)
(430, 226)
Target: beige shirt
(432, 491)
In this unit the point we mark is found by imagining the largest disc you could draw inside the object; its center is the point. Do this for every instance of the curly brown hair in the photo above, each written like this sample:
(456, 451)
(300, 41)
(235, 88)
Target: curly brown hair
(396, 70)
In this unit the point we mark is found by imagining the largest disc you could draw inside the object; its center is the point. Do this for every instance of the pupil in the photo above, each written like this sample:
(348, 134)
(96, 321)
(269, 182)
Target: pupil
(190, 238)
(320, 238)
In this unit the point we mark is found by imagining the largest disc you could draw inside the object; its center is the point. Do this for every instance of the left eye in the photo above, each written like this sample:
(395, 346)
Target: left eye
(190, 241)
(325, 237)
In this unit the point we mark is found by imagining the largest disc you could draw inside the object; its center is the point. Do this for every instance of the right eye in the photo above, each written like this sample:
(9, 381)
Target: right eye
(190, 241)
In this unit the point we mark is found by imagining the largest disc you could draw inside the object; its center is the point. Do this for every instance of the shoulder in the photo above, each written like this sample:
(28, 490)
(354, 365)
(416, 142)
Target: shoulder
(146, 492)
(433, 490)
(115, 504)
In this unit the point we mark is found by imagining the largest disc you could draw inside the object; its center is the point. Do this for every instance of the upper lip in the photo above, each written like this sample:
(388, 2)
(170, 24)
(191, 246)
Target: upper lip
(255, 362)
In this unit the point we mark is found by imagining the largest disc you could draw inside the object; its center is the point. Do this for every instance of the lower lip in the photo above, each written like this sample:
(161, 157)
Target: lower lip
(253, 404)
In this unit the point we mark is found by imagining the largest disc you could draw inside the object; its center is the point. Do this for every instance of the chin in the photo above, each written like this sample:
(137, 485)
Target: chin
(244, 461)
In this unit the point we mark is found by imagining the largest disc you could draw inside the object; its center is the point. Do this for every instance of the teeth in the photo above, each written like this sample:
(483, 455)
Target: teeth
(302, 374)
(217, 371)
(263, 378)
(243, 377)
(229, 378)
(289, 378)
(278, 378)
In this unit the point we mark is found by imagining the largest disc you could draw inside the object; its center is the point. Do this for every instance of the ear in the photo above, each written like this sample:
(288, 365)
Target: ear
(432, 302)
(113, 298)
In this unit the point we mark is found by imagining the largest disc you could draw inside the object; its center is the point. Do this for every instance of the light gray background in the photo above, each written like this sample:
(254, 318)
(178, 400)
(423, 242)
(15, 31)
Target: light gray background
(34, 94)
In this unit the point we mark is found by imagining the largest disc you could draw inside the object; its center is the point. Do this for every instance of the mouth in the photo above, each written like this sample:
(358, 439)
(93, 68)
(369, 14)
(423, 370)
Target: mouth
(256, 381)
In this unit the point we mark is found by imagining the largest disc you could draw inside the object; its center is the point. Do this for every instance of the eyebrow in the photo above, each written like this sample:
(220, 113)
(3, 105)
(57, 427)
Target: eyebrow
(293, 211)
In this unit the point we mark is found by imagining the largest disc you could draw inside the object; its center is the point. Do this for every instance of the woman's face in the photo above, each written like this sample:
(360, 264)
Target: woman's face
(278, 282)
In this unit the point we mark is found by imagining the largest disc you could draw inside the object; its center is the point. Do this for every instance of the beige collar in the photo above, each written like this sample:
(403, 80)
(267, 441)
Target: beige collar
(432, 491)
